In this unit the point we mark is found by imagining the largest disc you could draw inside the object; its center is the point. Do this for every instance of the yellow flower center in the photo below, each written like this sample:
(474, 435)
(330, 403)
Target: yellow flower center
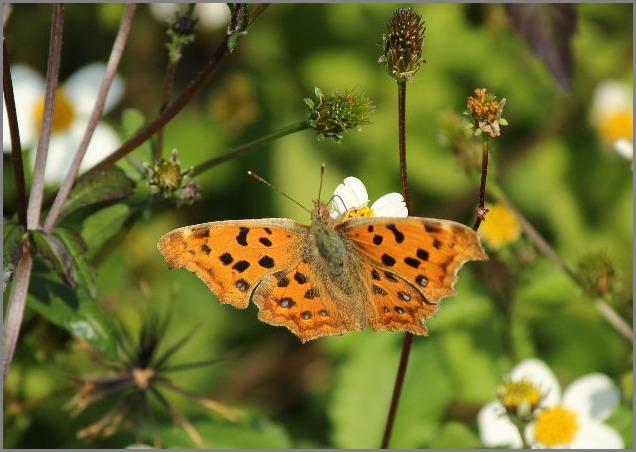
(520, 394)
(501, 227)
(555, 426)
(361, 212)
(63, 114)
(617, 125)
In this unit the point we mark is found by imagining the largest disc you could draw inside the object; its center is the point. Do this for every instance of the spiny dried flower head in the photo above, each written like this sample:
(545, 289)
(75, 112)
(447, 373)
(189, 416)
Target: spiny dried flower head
(181, 30)
(403, 44)
(167, 178)
(485, 111)
(598, 274)
(137, 378)
(334, 115)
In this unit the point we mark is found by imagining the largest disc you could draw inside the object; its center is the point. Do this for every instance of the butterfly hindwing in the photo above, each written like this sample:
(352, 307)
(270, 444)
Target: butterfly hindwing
(231, 257)
(297, 298)
(396, 304)
(425, 252)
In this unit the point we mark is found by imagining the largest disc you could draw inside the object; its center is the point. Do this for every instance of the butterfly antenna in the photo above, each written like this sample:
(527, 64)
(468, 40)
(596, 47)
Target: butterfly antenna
(260, 179)
(322, 173)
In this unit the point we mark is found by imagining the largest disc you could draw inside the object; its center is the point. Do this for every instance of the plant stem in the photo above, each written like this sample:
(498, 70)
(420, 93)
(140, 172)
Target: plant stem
(53, 70)
(15, 308)
(605, 309)
(98, 111)
(481, 210)
(286, 130)
(16, 146)
(170, 112)
(408, 337)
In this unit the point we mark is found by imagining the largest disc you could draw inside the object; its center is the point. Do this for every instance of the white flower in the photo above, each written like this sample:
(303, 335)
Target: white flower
(74, 104)
(612, 115)
(350, 199)
(569, 420)
(212, 16)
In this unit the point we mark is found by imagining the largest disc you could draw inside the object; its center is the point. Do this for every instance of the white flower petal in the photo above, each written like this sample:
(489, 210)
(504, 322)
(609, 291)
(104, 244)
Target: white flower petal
(390, 205)
(495, 429)
(611, 96)
(28, 90)
(83, 86)
(104, 141)
(164, 11)
(61, 149)
(538, 373)
(214, 16)
(625, 148)
(594, 435)
(594, 396)
(351, 194)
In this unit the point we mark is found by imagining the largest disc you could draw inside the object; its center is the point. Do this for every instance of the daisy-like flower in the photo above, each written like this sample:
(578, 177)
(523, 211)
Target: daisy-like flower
(613, 116)
(74, 102)
(350, 199)
(572, 419)
(500, 228)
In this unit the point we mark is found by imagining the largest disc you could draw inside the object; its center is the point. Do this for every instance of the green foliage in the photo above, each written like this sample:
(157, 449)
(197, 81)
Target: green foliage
(100, 261)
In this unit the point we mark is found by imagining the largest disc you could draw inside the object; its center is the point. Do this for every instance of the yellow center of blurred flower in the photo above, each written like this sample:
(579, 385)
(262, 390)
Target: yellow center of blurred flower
(500, 228)
(520, 397)
(63, 114)
(555, 426)
(617, 125)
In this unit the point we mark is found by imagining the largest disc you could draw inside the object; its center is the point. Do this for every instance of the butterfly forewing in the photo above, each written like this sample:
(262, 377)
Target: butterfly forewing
(425, 252)
(231, 257)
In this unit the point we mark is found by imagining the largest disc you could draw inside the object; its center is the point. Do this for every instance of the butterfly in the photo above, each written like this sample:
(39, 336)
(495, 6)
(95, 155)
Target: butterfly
(331, 276)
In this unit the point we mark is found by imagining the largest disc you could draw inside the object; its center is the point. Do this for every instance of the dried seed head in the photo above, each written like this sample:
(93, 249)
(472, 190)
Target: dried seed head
(403, 44)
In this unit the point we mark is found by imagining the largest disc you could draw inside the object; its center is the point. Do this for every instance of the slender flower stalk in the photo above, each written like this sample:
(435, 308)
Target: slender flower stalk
(402, 56)
(98, 110)
(16, 147)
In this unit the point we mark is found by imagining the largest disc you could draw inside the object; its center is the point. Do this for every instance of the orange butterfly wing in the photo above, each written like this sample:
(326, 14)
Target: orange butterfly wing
(413, 263)
(298, 299)
(232, 257)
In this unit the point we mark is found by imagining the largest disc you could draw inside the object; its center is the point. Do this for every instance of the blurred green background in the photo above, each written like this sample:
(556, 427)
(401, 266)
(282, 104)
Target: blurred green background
(335, 392)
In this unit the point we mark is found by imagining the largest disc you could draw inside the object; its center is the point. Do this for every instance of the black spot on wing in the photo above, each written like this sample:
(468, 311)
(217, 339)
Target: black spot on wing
(241, 238)
(399, 236)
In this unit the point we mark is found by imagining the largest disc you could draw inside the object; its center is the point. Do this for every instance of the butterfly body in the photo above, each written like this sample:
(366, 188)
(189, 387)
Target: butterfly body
(331, 276)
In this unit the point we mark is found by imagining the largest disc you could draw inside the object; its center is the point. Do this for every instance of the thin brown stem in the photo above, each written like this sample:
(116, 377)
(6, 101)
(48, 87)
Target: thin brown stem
(52, 74)
(170, 112)
(408, 337)
(16, 146)
(98, 111)
(15, 308)
(481, 210)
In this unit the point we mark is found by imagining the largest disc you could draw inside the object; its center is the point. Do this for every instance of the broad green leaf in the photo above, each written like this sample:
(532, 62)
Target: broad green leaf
(84, 273)
(362, 391)
(11, 249)
(73, 310)
(103, 225)
(455, 435)
(259, 433)
(428, 389)
(107, 185)
(57, 256)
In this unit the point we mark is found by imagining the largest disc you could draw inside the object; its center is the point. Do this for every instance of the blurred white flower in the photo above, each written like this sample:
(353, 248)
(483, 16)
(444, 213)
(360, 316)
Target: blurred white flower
(350, 199)
(74, 104)
(212, 16)
(613, 115)
(569, 420)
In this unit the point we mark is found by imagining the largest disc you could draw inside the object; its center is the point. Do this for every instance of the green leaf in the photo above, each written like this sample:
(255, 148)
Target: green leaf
(55, 253)
(107, 185)
(455, 435)
(103, 225)
(74, 311)
(84, 273)
(11, 249)
(259, 433)
(362, 392)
